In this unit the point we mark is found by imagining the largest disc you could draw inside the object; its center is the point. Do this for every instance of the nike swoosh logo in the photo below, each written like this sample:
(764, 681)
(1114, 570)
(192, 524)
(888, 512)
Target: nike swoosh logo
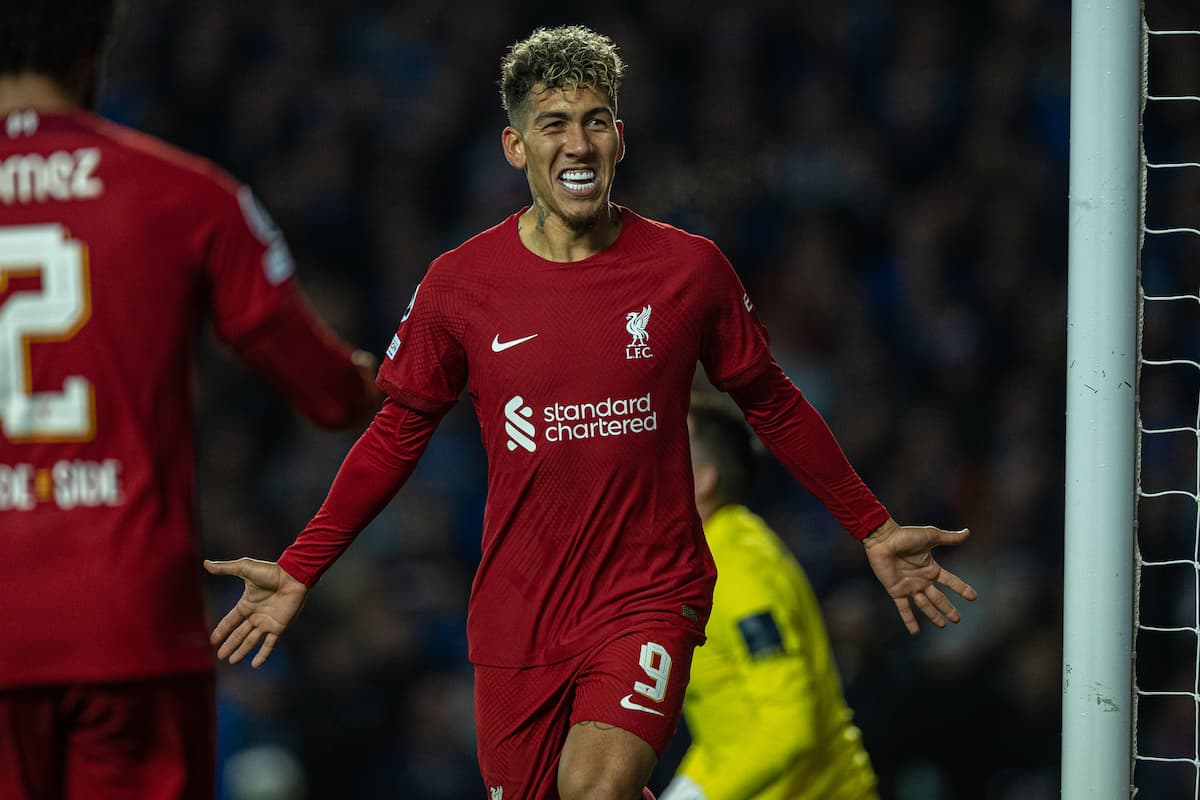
(627, 702)
(499, 346)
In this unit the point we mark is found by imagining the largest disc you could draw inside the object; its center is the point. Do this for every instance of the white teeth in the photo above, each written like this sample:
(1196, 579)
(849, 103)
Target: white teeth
(578, 181)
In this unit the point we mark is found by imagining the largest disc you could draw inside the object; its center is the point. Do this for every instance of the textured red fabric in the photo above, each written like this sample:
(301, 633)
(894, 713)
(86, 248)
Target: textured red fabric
(113, 249)
(581, 375)
(523, 716)
(139, 740)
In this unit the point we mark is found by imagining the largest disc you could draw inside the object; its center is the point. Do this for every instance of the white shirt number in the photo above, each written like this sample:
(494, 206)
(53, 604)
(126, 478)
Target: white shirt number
(54, 313)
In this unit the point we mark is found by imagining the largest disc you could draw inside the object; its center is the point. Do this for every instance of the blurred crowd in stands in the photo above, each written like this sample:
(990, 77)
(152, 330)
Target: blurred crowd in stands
(890, 180)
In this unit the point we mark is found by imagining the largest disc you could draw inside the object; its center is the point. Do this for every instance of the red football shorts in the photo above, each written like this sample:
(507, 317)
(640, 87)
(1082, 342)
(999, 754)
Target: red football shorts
(635, 680)
(140, 740)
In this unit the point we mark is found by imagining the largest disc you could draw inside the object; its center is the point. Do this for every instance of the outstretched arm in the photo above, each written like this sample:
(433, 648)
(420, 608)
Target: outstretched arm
(294, 351)
(902, 558)
(374, 470)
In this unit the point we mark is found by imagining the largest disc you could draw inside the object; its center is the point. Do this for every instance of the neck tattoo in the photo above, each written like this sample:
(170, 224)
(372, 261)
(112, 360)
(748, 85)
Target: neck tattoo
(542, 215)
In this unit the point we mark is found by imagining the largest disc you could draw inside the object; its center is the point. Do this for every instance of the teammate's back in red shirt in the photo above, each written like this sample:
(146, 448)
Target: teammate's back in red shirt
(114, 247)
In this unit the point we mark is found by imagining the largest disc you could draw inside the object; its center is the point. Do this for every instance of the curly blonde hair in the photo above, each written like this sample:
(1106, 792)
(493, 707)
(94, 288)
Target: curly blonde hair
(567, 57)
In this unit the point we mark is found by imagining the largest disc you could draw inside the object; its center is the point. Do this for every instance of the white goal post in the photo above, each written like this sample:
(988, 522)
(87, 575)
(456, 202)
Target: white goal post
(1102, 303)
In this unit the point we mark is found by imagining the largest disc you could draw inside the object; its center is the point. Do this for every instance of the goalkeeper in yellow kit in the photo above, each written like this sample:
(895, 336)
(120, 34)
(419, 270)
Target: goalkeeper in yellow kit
(765, 705)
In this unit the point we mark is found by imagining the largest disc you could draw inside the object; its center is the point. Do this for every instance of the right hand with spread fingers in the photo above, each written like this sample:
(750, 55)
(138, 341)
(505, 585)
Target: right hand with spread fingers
(902, 559)
(271, 600)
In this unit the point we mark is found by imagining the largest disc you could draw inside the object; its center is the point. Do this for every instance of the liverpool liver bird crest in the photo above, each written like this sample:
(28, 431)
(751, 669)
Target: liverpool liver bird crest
(635, 323)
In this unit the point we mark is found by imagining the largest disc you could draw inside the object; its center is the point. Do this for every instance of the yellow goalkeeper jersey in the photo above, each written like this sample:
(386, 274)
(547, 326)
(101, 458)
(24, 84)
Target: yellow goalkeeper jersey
(765, 705)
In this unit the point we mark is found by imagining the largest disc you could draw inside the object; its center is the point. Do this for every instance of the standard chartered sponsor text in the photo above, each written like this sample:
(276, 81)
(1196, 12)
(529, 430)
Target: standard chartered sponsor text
(609, 417)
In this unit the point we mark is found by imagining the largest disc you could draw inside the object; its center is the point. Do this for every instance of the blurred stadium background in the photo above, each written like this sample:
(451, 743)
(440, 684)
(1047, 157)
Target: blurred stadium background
(890, 179)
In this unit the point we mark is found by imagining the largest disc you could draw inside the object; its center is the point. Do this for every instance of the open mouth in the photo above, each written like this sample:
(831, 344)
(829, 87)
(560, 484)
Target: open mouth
(579, 182)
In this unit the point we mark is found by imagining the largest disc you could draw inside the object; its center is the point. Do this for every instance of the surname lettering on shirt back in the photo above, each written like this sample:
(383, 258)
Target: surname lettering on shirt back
(61, 175)
(67, 484)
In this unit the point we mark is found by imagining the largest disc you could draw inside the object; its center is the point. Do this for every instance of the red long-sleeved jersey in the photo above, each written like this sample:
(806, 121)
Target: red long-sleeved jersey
(581, 375)
(113, 248)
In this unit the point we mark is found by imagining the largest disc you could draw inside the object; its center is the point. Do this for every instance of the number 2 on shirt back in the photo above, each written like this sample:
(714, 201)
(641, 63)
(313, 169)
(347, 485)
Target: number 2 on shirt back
(53, 313)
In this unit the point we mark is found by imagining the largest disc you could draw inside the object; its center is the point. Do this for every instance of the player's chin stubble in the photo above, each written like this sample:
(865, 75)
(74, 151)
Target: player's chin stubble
(576, 223)
(579, 223)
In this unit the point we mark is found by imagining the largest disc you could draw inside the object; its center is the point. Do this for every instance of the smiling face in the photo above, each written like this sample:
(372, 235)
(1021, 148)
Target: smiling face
(568, 143)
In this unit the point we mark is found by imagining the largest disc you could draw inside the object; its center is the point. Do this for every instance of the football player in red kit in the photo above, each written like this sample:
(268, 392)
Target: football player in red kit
(113, 248)
(576, 325)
